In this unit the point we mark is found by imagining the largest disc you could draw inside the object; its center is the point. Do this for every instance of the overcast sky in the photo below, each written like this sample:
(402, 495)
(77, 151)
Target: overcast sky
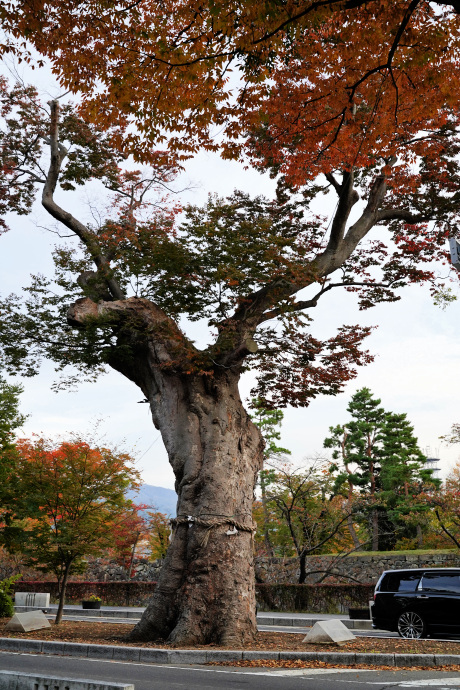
(416, 344)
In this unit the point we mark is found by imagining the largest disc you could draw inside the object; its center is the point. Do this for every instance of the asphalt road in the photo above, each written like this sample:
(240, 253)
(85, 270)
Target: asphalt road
(156, 677)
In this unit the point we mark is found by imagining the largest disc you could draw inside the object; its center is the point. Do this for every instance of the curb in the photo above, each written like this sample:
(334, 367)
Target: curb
(355, 624)
(202, 656)
(91, 613)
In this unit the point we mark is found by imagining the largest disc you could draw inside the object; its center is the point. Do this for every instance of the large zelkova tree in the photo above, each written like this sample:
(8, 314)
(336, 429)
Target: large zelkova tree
(66, 501)
(234, 263)
(238, 264)
(379, 123)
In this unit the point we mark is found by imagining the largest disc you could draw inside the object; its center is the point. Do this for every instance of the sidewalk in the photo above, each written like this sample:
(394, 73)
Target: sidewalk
(266, 618)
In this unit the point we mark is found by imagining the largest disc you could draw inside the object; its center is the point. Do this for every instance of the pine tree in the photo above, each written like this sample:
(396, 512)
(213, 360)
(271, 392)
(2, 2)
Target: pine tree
(380, 455)
(357, 443)
(403, 475)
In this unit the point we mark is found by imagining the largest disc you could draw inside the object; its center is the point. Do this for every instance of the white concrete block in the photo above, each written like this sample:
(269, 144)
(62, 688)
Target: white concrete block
(329, 632)
(25, 622)
(14, 680)
(41, 599)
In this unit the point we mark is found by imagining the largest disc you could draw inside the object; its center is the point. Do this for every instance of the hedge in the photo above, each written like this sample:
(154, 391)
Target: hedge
(270, 597)
(120, 593)
(317, 598)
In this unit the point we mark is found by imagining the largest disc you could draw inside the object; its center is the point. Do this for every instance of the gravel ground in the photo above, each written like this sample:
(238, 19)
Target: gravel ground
(114, 633)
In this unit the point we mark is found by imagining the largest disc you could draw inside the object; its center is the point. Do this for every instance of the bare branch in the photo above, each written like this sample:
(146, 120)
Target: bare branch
(58, 153)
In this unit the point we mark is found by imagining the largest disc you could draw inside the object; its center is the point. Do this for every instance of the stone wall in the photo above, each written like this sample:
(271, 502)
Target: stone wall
(329, 569)
(363, 568)
(100, 570)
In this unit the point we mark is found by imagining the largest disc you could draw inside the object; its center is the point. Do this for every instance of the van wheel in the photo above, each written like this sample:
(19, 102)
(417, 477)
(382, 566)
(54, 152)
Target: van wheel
(411, 625)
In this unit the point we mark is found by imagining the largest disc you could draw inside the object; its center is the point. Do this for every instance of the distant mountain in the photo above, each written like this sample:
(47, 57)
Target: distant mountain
(161, 499)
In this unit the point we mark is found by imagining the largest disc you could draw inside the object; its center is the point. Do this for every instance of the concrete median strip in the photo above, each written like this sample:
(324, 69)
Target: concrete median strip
(12, 680)
(202, 656)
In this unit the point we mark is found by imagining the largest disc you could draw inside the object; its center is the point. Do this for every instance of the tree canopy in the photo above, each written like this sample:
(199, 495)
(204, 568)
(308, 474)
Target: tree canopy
(10, 420)
(355, 73)
(66, 501)
(238, 262)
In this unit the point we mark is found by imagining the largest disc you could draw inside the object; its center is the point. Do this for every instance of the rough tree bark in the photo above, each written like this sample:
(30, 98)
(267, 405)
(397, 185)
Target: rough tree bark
(206, 588)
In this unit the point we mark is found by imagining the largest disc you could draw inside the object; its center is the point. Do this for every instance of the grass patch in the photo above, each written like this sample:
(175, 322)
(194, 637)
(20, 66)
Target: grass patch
(408, 552)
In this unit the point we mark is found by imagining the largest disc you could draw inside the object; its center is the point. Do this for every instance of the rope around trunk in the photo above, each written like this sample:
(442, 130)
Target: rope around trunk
(210, 525)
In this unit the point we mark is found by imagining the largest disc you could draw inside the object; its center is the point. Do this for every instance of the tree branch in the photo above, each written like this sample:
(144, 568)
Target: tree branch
(400, 214)
(306, 550)
(332, 181)
(368, 218)
(58, 153)
(348, 196)
(444, 529)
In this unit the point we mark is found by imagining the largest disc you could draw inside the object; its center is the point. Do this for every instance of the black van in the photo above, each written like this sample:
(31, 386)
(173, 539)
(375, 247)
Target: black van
(418, 602)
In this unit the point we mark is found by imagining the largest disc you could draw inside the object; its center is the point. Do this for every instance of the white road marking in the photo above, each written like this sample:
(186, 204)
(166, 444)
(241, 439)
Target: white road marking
(421, 683)
(431, 682)
(311, 671)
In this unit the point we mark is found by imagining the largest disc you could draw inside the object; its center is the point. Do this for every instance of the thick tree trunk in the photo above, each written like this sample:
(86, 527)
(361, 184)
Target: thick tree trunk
(419, 537)
(206, 587)
(266, 518)
(351, 529)
(375, 530)
(206, 591)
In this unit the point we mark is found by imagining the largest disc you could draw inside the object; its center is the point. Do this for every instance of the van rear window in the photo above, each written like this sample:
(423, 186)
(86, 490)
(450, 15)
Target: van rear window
(400, 582)
(441, 582)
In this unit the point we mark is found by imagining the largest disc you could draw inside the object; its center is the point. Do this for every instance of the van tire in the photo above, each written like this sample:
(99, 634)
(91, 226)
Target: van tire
(411, 626)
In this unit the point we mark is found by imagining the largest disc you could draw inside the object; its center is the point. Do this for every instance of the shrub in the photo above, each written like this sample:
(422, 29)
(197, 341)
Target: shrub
(6, 600)
(318, 598)
(119, 593)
